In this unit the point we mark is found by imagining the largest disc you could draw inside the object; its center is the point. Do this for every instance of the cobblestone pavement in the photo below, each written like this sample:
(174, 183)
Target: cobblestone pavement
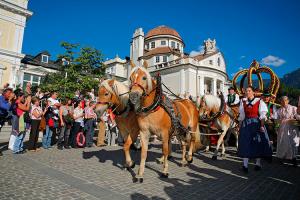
(96, 173)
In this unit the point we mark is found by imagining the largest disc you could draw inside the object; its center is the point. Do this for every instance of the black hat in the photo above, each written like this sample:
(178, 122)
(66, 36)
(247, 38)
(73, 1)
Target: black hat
(266, 93)
(231, 88)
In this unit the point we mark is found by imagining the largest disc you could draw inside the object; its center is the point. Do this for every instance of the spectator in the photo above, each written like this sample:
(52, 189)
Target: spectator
(54, 103)
(112, 127)
(65, 117)
(28, 89)
(5, 106)
(48, 114)
(78, 123)
(18, 125)
(288, 134)
(92, 95)
(36, 114)
(39, 94)
(90, 122)
(5, 103)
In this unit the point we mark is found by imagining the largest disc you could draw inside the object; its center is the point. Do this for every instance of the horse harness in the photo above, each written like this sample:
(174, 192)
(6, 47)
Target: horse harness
(162, 101)
(207, 121)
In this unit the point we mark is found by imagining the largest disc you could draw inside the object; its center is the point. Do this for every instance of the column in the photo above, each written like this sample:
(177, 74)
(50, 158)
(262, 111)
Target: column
(182, 82)
(201, 85)
(214, 86)
(222, 86)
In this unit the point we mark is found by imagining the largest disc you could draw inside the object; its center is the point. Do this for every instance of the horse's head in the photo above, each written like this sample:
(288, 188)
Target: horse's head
(208, 104)
(111, 94)
(140, 85)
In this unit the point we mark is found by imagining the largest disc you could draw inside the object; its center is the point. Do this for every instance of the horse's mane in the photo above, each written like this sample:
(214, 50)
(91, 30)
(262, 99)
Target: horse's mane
(212, 101)
(118, 89)
(149, 78)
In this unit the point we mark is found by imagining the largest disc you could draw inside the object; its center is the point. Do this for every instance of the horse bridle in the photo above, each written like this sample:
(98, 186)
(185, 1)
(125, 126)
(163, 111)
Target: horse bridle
(111, 105)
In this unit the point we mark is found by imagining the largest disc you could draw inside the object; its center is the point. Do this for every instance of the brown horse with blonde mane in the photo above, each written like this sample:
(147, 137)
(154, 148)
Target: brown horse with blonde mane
(154, 118)
(113, 94)
(215, 112)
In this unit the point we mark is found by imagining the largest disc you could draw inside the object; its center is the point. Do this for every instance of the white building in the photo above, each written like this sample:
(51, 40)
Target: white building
(163, 49)
(34, 68)
(13, 16)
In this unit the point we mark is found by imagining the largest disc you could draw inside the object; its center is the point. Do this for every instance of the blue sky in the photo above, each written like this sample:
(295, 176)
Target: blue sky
(264, 30)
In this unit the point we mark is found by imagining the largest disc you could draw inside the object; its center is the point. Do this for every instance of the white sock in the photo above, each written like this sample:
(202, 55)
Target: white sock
(258, 162)
(245, 161)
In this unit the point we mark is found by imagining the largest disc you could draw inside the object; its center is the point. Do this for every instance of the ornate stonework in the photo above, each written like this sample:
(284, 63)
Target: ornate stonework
(209, 46)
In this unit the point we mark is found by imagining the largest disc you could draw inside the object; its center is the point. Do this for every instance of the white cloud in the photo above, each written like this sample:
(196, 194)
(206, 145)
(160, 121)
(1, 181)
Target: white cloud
(242, 57)
(232, 74)
(272, 60)
(241, 68)
(200, 50)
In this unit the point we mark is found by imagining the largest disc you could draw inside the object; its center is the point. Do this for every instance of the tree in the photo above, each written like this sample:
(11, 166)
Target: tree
(291, 92)
(80, 69)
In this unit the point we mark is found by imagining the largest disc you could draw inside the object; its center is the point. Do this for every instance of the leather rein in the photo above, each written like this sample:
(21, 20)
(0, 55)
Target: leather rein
(157, 99)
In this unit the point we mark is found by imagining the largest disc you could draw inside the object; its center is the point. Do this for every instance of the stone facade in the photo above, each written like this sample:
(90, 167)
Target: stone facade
(13, 16)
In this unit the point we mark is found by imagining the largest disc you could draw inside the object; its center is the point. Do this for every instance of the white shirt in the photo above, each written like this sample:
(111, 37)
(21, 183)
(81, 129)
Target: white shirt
(78, 112)
(262, 109)
(236, 100)
(53, 101)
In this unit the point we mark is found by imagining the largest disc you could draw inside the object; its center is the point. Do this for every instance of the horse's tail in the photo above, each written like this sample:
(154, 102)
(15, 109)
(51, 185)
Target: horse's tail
(198, 143)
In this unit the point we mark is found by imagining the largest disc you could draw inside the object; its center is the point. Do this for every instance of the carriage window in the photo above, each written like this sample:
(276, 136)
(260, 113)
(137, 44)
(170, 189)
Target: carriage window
(163, 42)
(219, 62)
(157, 59)
(177, 45)
(211, 62)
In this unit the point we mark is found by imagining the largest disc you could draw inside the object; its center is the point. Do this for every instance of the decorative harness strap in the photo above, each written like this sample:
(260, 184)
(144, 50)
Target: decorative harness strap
(167, 105)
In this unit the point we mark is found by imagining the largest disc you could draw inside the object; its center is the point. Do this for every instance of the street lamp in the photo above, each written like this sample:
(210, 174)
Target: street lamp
(65, 62)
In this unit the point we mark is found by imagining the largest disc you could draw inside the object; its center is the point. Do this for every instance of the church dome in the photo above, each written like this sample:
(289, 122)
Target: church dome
(163, 30)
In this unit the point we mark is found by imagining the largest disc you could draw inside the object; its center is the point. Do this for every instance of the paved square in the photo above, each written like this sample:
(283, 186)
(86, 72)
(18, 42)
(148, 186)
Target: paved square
(96, 173)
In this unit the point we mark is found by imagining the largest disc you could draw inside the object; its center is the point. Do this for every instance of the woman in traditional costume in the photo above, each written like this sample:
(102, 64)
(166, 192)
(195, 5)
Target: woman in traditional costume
(253, 138)
(288, 134)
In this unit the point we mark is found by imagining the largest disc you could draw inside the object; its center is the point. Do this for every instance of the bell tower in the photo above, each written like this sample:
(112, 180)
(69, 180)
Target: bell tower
(137, 46)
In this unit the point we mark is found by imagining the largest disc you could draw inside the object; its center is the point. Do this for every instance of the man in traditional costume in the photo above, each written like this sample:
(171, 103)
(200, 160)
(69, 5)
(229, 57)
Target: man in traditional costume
(233, 101)
(253, 138)
(288, 135)
(271, 116)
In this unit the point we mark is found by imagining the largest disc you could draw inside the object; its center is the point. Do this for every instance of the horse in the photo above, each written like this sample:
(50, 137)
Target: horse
(154, 118)
(213, 110)
(113, 94)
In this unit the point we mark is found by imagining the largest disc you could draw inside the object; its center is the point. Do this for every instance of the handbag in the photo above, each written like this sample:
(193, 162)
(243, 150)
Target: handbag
(51, 122)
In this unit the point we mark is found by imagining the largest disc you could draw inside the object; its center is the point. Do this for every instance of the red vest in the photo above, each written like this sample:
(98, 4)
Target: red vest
(251, 111)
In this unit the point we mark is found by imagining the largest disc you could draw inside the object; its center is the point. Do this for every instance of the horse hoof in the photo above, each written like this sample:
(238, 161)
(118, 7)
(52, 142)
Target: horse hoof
(165, 175)
(170, 157)
(158, 161)
(190, 161)
(137, 180)
(214, 157)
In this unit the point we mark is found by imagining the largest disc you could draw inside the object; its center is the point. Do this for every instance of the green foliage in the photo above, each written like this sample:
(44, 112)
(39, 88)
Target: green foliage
(82, 72)
(291, 92)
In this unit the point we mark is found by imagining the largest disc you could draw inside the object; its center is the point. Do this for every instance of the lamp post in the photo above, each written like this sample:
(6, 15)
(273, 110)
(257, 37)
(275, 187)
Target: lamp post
(64, 61)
